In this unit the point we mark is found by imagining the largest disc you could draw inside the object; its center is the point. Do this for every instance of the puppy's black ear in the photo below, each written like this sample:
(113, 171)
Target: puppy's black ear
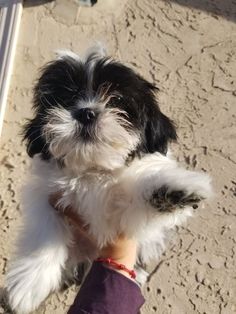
(35, 141)
(158, 129)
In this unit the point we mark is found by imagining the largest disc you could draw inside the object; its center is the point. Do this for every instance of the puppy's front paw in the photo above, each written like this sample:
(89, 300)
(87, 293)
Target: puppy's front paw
(165, 200)
(180, 188)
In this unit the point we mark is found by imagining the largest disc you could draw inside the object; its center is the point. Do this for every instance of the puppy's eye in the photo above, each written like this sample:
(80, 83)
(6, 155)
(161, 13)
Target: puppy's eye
(118, 98)
(115, 101)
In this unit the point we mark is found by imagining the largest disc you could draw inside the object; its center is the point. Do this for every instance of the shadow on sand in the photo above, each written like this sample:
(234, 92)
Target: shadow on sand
(224, 8)
(33, 3)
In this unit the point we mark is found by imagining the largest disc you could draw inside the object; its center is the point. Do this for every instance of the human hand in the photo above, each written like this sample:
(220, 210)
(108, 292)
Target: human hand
(123, 249)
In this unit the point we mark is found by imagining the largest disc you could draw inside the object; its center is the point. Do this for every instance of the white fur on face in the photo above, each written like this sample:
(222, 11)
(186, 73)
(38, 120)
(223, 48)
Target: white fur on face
(113, 140)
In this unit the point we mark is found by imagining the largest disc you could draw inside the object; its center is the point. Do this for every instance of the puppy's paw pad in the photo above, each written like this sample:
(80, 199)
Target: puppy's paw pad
(168, 200)
(158, 198)
(175, 197)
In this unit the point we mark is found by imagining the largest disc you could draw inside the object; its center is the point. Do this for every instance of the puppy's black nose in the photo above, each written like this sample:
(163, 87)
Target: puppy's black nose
(84, 115)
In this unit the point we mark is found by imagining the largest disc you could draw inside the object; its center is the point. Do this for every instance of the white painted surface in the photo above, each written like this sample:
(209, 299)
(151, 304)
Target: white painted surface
(10, 15)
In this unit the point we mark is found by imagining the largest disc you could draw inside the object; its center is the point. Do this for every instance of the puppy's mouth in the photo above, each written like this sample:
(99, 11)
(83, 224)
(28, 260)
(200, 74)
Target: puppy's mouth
(87, 134)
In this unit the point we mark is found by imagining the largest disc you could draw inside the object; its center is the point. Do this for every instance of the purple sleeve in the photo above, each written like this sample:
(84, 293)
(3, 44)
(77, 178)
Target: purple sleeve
(106, 291)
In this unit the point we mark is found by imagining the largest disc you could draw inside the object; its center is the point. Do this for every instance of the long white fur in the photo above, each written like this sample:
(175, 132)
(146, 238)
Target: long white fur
(109, 202)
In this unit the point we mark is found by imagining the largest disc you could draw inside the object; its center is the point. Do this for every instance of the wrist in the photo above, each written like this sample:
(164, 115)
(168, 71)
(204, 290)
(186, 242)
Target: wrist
(118, 267)
(123, 251)
(122, 272)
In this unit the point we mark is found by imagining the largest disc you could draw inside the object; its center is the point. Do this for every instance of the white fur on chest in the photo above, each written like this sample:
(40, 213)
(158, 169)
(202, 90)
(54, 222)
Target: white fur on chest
(111, 202)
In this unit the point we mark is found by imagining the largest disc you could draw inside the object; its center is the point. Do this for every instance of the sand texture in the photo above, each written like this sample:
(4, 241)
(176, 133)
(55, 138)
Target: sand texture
(188, 49)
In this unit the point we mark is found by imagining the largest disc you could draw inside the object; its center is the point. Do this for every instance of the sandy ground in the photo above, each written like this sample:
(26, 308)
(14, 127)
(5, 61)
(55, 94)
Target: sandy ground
(188, 49)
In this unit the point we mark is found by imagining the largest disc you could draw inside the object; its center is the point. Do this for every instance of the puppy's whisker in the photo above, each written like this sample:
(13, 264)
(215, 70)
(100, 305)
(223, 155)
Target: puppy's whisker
(35, 139)
(35, 131)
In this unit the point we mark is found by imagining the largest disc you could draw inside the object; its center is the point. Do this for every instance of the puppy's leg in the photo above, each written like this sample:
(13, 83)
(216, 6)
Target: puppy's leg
(177, 188)
(157, 180)
(74, 274)
(141, 275)
(41, 255)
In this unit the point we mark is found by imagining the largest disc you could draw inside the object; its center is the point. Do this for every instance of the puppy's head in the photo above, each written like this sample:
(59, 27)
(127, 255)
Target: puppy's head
(95, 112)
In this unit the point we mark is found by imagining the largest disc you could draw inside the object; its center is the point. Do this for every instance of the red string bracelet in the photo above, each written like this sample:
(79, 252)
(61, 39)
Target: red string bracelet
(116, 265)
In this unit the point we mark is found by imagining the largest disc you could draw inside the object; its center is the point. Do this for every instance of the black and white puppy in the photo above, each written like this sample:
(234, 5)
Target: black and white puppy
(97, 135)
